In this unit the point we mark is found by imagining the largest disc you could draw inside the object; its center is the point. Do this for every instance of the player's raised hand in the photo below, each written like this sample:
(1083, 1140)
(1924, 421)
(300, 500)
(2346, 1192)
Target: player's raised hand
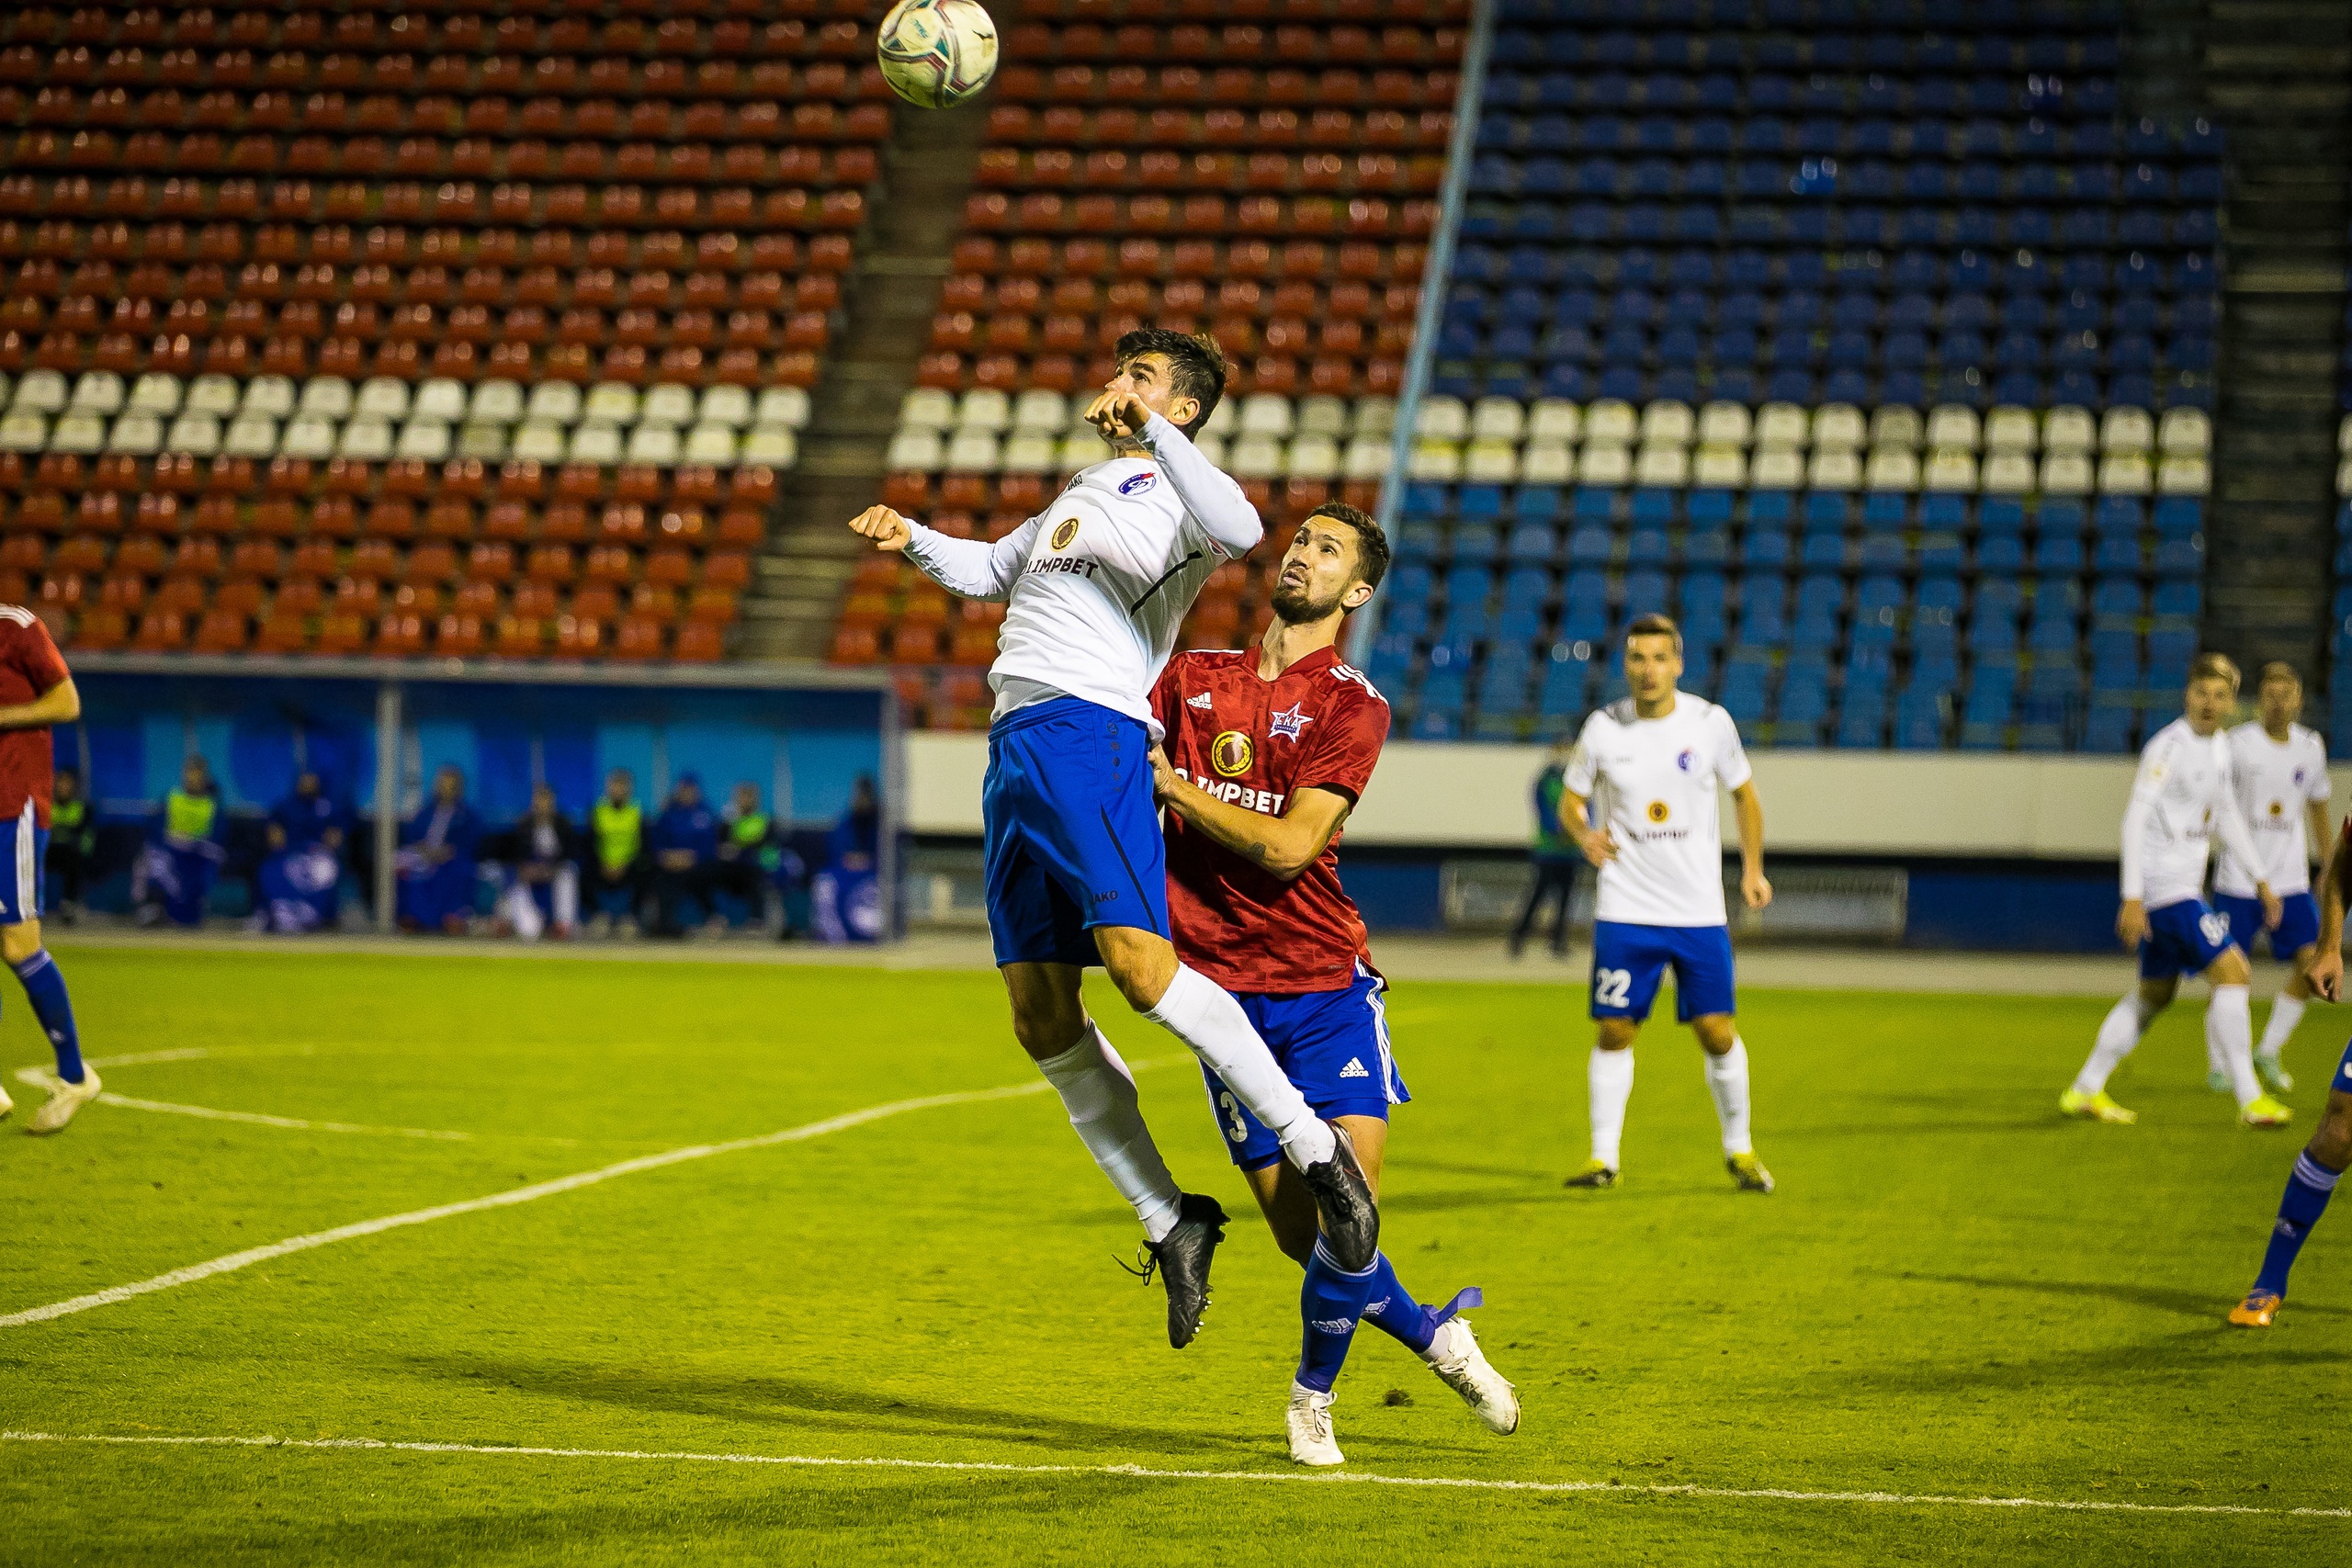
(885, 527)
(1755, 889)
(2132, 923)
(2326, 974)
(1119, 415)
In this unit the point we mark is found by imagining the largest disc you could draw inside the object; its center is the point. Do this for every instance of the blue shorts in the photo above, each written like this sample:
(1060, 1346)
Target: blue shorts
(1628, 961)
(1332, 1044)
(2343, 1084)
(2184, 938)
(1072, 836)
(24, 852)
(2298, 923)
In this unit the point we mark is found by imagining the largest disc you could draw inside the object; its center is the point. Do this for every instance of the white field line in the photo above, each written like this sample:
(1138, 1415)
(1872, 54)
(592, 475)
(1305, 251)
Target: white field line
(1340, 1478)
(254, 1255)
(36, 1078)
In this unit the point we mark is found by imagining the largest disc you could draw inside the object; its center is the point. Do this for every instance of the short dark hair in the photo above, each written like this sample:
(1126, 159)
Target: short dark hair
(1196, 367)
(1372, 545)
(1656, 625)
(2213, 667)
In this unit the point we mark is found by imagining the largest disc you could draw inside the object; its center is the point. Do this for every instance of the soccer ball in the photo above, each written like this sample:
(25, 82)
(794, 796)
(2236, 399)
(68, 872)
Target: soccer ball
(937, 52)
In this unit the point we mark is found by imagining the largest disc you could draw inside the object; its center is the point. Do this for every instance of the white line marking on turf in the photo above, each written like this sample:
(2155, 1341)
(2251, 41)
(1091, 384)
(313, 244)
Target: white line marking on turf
(1341, 1478)
(36, 1078)
(254, 1255)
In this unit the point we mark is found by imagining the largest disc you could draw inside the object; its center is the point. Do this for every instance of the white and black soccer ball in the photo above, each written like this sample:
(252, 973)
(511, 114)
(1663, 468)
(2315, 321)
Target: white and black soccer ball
(937, 52)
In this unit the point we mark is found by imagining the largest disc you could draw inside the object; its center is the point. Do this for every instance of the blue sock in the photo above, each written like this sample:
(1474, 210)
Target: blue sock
(1392, 1310)
(45, 989)
(2306, 1199)
(1329, 1302)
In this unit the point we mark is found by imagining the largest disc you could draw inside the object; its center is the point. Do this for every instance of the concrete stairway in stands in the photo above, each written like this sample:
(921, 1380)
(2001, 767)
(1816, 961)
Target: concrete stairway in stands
(902, 259)
(2278, 76)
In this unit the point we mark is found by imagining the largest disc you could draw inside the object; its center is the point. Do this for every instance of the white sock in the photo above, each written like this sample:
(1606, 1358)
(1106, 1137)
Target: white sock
(2229, 1025)
(1727, 1081)
(2213, 1062)
(2117, 1035)
(1197, 1011)
(1608, 1081)
(2286, 1011)
(1100, 1095)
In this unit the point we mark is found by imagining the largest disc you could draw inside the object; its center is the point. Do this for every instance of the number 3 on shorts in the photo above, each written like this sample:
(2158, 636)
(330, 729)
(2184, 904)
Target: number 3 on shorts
(2216, 926)
(1235, 1128)
(1610, 985)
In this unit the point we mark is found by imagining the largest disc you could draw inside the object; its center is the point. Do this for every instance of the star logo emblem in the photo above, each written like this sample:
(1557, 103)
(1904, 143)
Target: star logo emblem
(1288, 724)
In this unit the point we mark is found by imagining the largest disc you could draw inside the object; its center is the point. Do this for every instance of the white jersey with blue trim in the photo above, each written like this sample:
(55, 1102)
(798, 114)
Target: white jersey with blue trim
(1098, 581)
(2276, 781)
(2180, 799)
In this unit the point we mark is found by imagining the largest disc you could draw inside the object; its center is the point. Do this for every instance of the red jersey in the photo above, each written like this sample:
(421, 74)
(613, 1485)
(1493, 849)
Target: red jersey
(1255, 743)
(29, 665)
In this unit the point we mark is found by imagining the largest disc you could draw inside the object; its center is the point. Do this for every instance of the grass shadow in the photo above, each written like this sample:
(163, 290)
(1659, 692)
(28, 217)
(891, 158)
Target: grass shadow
(2164, 1298)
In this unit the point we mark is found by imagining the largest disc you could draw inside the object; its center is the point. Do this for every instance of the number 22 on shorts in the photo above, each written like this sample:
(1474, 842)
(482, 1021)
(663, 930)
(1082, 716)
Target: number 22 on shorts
(1610, 986)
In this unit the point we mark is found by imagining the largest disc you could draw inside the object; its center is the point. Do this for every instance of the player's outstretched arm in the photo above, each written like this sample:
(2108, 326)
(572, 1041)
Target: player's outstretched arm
(969, 568)
(1285, 845)
(1208, 491)
(59, 705)
(1749, 806)
(2327, 963)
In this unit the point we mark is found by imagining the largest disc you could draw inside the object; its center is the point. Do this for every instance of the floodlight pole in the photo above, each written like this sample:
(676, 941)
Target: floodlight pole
(1468, 92)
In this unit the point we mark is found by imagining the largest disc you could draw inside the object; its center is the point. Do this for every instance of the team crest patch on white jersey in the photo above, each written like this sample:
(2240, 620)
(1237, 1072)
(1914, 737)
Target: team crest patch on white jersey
(1288, 724)
(1135, 484)
(1204, 702)
(1354, 1069)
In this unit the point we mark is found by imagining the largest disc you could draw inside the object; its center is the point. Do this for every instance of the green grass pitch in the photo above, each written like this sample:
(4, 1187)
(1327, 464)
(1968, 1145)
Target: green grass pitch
(1954, 1292)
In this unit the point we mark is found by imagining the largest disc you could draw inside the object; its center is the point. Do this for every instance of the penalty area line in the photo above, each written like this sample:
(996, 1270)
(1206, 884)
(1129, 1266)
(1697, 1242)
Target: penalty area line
(1147, 1473)
(251, 1256)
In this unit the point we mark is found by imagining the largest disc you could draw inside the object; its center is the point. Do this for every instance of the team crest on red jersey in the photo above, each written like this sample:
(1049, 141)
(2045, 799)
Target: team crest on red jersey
(1289, 723)
(1231, 753)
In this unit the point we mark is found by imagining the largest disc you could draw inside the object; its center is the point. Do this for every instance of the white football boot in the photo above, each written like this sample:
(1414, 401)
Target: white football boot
(6, 1105)
(1309, 1421)
(1455, 1358)
(64, 1099)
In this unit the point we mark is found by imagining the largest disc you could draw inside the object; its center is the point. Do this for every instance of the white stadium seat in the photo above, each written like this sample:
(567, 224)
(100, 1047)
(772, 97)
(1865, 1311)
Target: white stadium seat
(975, 451)
(1839, 425)
(1835, 468)
(1667, 423)
(1266, 413)
(712, 446)
(2067, 473)
(2344, 476)
(609, 402)
(1950, 468)
(251, 436)
(1040, 409)
(83, 434)
(1777, 468)
(1951, 427)
(668, 403)
(1610, 420)
(2185, 432)
(927, 407)
(538, 441)
(595, 443)
(1555, 419)
(1606, 462)
(197, 433)
(730, 407)
(157, 392)
(2067, 428)
(1782, 424)
(1896, 425)
(1664, 467)
(1725, 424)
(2183, 474)
(1366, 458)
(1547, 463)
(98, 393)
(23, 431)
(1439, 461)
(136, 435)
(654, 444)
(2127, 429)
(329, 397)
(1323, 415)
(777, 445)
(2125, 473)
(423, 441)
(1375, 415)
(1490, 463)
(1442, 419)
(1891, 469)
(1312, 457)
(1497, 419)
(271, 396)
(380, 397)
(983, 409)
(786, 406)
(40, 391)
(2011, 429)
(1031, 452)
(1224, 419)
(2344, 434)
(2008, 471)
(553, 402)
(486, 440)
(1720, 468)
(495, 401)
(917, 448)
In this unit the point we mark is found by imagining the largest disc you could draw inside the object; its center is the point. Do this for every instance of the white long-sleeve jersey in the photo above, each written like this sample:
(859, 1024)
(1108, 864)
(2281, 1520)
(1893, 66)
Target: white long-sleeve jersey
(1097, 584)
(2277, 783)
(2180, 799)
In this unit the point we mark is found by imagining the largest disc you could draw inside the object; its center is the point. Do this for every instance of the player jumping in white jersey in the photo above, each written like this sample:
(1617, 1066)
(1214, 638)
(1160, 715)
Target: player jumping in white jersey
(1651, 764)
(2280, 772)
(2180, 800)
(1096, 586)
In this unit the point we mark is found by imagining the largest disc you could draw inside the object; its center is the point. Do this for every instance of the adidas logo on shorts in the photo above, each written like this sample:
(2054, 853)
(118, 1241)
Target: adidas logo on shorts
(1354, 1069)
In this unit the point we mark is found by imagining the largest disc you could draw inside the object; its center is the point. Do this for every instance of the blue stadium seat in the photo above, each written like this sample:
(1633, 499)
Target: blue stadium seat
(1990, 706)
(1862, 715)
(1804, 704)
(1591, 545)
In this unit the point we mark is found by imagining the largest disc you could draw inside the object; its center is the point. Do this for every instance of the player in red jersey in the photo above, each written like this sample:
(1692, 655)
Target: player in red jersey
(1268, 750)
(35, 692)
